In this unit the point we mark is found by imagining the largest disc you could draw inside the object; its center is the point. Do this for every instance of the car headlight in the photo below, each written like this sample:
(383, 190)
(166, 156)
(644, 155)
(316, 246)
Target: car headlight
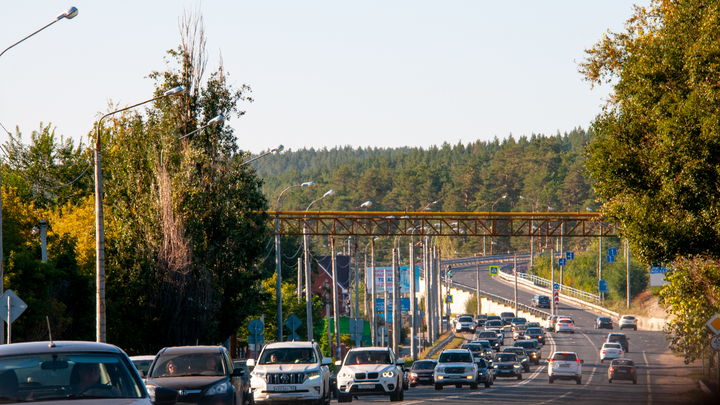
(218, 389)
(345, 375)
(388, 374)
(440, 370)
(469, 369)
(312, 375)
(413, 374)
(151, 392)
(516, 365)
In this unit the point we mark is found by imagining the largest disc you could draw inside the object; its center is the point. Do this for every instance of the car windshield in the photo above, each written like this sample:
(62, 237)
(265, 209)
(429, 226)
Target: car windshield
(505, 357)
(616, 338)
(481, 363)
(519, 320)
(493, 323)
(487, 334)
(176, 364)
(423, 365)
(472, 347)
(604, 319)
(507, 315)
(565, 357)
(465, 319)
(623, 362)
(67, 377)
(142, 365)
(533, 331)
(564, 321)
(368, 357)
(525, 345)
(484, 344)
(480, 316)
(628, 317)
(493, 318)
(457, 357)
(519, 351)
(543, 298)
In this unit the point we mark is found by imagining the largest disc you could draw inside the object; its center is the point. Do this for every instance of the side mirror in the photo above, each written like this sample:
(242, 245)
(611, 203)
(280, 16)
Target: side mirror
(250, 362)
(582, 361)
(401, 362)
(338, 363)
(326, 361)
(238, 372)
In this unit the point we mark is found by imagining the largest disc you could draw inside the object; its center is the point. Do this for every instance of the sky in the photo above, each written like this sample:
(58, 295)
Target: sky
(323, 73)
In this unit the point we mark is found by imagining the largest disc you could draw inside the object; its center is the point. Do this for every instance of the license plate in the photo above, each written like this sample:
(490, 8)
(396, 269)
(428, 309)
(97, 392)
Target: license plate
(367, 387)
(284, 389)
(423, 378)
(564, 365)
(622, 371)
(454, 376)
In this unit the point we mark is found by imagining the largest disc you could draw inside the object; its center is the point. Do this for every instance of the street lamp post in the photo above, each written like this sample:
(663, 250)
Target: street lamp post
(278, 260)
(274, 150)
(213, 121)
(492, 209)
(68, 14)
(99, 220)
(308, 293)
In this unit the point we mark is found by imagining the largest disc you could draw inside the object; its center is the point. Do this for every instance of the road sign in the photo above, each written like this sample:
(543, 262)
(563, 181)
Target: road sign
(494, 270)
(356, 328)
(561, 262)
(714, 324)
(449, 299)
(612, 252)
(611, 259)
(256, 327)
(657, 276)
(570, 255)
(293, 337)
(715, 343)
(556, 296)
(257, 339)
(602, 286)
(556, 286)
(404, 304)
(17, 306)
(293, 322)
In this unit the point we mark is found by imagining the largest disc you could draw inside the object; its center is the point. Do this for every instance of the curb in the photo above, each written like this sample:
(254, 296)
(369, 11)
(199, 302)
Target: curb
(440, 345)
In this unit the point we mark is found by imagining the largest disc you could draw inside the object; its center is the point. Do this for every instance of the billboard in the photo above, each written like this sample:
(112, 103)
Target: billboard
(384, 277)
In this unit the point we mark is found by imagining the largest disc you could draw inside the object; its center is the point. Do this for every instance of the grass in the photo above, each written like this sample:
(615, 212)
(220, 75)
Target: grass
(453, 344)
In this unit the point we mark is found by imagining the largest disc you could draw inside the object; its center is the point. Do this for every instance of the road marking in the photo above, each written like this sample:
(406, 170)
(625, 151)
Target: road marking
(554, 399)
(647, 365)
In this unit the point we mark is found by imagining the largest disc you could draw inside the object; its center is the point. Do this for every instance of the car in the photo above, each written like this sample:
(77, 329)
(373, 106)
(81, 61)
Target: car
(480, 319)
(517, 321)
(622, 369)
(487, 348)
(421, 372)
(242, 363)
(619, 338)
(485, 372)
(564, 325)
(290, 372)
(491, 337)
(628, 321)
(603, 322)
(200, 373)
(507, 365)
(540, 301)
(610, 351)
(406, 377)
(519, 332)
(532, 349)
(536, 334)
(494, 324)
(142, 363)
(533, 325)
(456, 367)
(565, 366)
(53, 371)
(493, 318)
(465, 323)
(507, 317)
(521, 356)
(477, 350)
(500, 333)
(370, 371)
(550, 322)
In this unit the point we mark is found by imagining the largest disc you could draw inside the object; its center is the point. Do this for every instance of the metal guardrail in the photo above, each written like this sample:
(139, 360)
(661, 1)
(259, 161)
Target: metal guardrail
(499, 299)
(545, 283)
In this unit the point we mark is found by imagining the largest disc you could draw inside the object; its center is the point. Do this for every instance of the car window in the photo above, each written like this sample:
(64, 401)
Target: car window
(456, 357)
(525, 345)
(534, 331)
(465, 319)
(63, 376)
(368, 357)
(616, 338)
(487, 334)
(623, 362)
(189, 364)
(423, 365)
(472, 348)
(603, 319)
(505, 357)
(518, 351)
(612, 346)
(565, 357)
(481, 363)
(485, 344)
(628, 317)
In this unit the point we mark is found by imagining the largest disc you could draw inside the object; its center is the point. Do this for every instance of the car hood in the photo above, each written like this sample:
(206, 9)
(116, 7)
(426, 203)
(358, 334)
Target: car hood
(425, 371)
(185, 383)
(367, 368)
(507, 363)
(455, 364)
(286, 368)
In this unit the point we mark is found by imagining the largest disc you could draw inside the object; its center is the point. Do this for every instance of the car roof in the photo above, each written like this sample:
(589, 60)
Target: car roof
(290, 344)
(370, 349)
(142, 358)
(456, 351)
(57, 346)
(191, 349)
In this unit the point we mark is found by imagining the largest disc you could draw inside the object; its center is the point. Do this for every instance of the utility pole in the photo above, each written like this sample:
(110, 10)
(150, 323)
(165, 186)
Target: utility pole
(477, 289)
(602, 295)
(438, 292)
(336, 302)
(413, 307)
(299, 279)
(373, 309)
(385, 305)
(515, 271)
(552, 280)
(627, 261)
(428, 294)
(397, 324)
(357, 295)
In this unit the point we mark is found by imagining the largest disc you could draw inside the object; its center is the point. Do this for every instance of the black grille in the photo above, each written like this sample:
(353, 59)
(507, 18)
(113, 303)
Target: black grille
(359, 376)
(285, 378)
(504, 367)
(373, 376)
(455, 370)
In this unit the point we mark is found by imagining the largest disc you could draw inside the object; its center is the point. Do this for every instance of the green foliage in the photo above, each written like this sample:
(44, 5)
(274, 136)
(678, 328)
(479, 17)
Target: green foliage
(471, 304)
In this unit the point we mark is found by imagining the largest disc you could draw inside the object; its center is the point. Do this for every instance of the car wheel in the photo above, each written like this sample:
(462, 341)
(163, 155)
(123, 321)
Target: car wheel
(551, 380)
(438, 387)
(520, 376)
(413, 385)
(602, 360)
(635, 381)
(487, 383)
(344, 397)
(537, 362)
(579, 380)
(609, 380)
(527, 369)
(458, 385)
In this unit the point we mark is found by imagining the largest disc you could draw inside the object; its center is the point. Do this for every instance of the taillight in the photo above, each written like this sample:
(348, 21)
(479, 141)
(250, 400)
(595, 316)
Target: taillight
(620, 351)
(612, 369)
(571, 325)
(577, 359)
(603, 352)
(551, 360)
(632, 369)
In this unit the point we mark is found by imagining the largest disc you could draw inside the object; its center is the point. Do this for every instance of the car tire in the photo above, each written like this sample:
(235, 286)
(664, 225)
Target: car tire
(602, 360)
(635, 381)
(551, 380)
(458, 386)
(519, 376)
(413, 385)
(344, 397)
(579, 380)
(537, 362)
(487, 383)
(438, 387)
(609, 380)
(527, 369)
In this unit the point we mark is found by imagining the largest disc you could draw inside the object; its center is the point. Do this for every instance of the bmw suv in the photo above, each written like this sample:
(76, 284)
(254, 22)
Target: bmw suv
(370, 371)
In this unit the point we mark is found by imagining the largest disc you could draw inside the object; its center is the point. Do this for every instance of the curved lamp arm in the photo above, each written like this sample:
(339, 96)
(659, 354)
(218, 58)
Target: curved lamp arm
(68, 14)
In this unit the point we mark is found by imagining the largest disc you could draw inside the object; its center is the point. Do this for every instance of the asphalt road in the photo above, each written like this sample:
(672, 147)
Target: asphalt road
(660, 374)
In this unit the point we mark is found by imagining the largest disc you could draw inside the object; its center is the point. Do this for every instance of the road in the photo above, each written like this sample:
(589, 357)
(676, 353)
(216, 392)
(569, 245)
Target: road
(661, 376)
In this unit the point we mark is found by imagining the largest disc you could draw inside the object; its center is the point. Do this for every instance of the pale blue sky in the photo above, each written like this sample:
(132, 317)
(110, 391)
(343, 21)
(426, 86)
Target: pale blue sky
(323, 73)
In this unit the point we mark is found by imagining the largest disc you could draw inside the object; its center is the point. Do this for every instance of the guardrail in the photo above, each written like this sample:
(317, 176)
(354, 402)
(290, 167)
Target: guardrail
(539, 281)
(499, 299)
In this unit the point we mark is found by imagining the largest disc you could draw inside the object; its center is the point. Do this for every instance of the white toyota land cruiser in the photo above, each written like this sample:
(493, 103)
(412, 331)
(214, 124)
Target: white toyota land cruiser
(290, 372)
(370, 371)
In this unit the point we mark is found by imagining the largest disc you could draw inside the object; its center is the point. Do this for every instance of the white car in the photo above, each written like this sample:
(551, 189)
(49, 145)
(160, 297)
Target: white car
(550, 322)
(456, 367)
(565, 366)
(628, 321)
(610, 351)
(142, 364)
(465, 323)
(370, 371)
(291, 372)
(564, 325)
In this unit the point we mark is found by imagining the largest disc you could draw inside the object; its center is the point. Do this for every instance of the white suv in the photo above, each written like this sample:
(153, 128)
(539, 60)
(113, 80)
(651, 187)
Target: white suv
(628, 321)
(289, 372)
(565, 366)
(456, 367)
(370, 371)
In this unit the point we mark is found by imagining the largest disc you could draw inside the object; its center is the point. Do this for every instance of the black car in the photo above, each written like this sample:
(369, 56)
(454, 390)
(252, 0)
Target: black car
(603, 322)
(622, 369)
(536, 334)
(507, 365)
(242, 363)
(521, 355)
(540, 301)
(507, 317)
(202, 375)
(619, 338)
(486, 375)
(493, 318)
(480, 319)
(491, 337)
(532, 349)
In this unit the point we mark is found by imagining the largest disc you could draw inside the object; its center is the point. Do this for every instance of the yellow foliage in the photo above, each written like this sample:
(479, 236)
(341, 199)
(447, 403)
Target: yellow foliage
(79, 223)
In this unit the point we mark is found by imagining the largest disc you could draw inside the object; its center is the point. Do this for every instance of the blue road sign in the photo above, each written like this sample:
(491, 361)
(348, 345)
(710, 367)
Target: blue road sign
(556, 286)
(449, 299)
(602, 285)
(404, 304)
(611, 259)
(570, 255)
(612, 252)
(561, 262)
(494, 270)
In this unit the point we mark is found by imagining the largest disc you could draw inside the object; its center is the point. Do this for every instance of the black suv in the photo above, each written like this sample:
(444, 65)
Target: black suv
(619, 338)
(540, 301)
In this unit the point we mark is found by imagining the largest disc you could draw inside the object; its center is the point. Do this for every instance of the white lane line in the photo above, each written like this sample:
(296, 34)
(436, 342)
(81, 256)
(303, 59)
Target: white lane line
(594, 368)
(555, 399)
(647, 366)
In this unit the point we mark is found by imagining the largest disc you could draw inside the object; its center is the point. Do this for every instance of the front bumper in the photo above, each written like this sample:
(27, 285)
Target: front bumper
(287, 392)
(511, 372)
(382, 386)
(422, 379)
(454, 379)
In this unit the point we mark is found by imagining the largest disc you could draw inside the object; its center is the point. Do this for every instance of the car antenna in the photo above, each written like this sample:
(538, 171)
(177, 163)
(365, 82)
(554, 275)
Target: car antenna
(49, 331)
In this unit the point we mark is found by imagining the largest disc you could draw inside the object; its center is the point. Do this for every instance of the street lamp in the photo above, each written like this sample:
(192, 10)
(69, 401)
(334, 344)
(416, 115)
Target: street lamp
(213, 121)
(278, 150)
(278, 259)
(68, 14)
(99, 221)
(308, 295)
(492, 209)
(427, 207)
